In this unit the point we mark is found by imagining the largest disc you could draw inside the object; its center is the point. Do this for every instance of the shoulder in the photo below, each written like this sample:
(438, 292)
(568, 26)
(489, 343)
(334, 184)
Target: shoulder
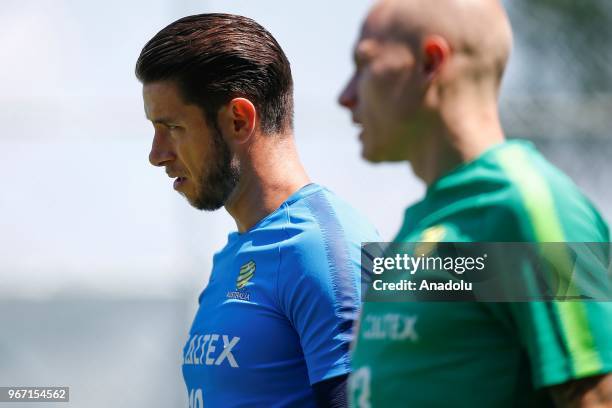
(321, 217)
(477, 203)
(552, 203)
(511, 193)
(323, 235)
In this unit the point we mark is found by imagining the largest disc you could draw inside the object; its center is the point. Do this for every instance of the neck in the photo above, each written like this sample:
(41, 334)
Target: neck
(464, 133)
(268, 176)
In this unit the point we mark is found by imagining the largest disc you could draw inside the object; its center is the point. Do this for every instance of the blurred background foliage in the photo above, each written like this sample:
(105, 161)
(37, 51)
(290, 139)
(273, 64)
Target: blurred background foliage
(558, 89)
(562, 82)
(572, 34)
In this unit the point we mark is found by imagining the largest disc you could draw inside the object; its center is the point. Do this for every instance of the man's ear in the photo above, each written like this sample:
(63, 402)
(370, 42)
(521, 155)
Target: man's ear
(237, 120)
(436, 52)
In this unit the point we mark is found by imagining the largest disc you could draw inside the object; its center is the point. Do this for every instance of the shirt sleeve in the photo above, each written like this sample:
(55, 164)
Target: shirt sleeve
(318, 292)
(565, 340)
(568, 339)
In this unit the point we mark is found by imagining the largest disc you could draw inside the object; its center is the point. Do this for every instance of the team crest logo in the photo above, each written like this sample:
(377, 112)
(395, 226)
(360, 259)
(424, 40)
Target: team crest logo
(247, 271)
(429, 238)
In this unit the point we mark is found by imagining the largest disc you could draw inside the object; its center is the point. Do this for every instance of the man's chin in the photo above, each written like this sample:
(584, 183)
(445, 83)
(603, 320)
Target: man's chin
(371, 156)
(375, 157)
(205, 203)
(202, 204)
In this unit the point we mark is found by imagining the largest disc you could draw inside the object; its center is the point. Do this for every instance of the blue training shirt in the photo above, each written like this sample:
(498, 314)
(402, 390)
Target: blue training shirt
(278, 311)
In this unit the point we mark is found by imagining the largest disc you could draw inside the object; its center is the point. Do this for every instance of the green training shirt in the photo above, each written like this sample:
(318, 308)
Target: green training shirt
(470, 354)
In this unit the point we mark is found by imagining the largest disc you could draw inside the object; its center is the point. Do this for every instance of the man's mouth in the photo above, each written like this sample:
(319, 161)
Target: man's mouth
(359, 128)
(178, 182)
(357, 124)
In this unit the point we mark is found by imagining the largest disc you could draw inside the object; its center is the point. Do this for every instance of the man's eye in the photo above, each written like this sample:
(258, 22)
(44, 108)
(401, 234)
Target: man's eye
(360, 64)
(358, 70)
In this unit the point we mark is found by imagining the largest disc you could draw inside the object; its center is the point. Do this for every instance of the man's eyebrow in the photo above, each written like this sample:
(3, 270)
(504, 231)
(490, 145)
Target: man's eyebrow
(362, 51)
(360, 58)
(163, 121)
(357, 56)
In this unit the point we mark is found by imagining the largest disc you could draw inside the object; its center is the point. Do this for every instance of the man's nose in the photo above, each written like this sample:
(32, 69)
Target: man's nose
(161, 150)
(348, 96)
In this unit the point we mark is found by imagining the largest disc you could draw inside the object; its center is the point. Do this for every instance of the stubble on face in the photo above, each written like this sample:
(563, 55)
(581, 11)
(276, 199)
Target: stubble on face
(219, 179)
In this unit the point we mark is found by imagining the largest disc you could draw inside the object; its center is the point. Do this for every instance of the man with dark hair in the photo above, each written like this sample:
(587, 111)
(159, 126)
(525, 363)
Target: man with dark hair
(425, 91)
(275, 321)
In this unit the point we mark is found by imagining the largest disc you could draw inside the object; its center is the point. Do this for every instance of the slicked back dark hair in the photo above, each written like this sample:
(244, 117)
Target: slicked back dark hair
(214, 58)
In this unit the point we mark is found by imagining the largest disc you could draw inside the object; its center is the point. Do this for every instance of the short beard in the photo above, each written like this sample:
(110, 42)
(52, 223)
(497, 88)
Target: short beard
(219, 180)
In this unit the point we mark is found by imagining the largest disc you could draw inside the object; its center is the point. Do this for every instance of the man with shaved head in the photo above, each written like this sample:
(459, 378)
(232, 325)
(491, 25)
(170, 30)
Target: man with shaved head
(425, 90)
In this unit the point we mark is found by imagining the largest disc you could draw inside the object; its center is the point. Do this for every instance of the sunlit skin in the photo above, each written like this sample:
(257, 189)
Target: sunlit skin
(235, 165)
(415, 91)
(425, 90)
(191, 151)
